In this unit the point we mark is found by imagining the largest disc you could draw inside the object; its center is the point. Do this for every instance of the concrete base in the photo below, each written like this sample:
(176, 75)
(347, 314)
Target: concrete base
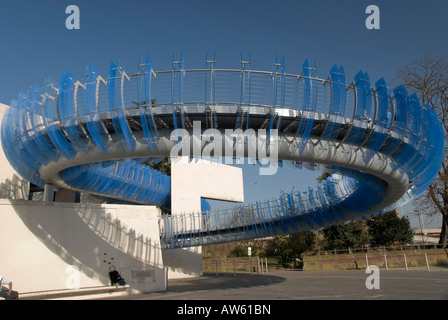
(183, 263)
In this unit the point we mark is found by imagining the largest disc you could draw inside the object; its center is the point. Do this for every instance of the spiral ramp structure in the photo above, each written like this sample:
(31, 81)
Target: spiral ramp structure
(97, 134)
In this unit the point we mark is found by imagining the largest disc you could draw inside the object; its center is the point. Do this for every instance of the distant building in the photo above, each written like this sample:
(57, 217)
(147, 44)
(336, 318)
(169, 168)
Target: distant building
(428, 236)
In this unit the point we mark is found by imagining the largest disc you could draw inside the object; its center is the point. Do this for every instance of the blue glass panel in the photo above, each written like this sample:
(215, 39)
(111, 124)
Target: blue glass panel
(436, 149)
(137, 181)
(399, 123)
(322, 203)
(315, 213)
(382, 121)
(148, 98)
(122, 179)
(309, 105)
(424, 148)
(261, 218)
(155, 194)
(145, 182)
(329, 193)
(288, 211)
(37, 124)
(53, 124)
(95, 125)
(253, 221)
(116, 107)
(154, 185)
(337, 108)
(363, 110)
(277, 217)
(309, 210)
(68, 113)
(26, 140)
(405, 152)
(401, 116)
(323, 209)
(159, 185)
(274, 227)
(17, 155)
(269, 218)
(302, 211)
(205, 205)
(410, 155)
(144, 99)
(106, 168)
(278, 87)
(284, 214)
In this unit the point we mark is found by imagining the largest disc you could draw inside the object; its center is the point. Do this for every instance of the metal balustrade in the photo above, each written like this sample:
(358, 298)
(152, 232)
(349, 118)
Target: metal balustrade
(95, 133)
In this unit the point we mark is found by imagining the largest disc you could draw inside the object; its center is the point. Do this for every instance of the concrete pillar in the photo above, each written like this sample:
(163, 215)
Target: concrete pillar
(49, 193)
(191, 181)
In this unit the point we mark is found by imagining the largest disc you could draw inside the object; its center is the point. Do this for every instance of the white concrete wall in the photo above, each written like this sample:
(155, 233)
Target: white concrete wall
(39, 241)
(191, 181)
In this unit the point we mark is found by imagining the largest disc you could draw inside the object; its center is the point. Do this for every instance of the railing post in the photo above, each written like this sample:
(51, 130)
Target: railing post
(427, 263)
(405, 261)
(266, 264)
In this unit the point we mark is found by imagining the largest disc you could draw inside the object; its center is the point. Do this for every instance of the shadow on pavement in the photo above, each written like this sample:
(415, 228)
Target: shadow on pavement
(223, 281)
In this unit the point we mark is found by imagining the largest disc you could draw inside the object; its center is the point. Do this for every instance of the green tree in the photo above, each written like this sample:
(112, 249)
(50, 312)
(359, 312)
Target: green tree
(163, 166)
(323, 177)
(388, 228)
(293, 245)
(346, 235)
(428, 77)
(240, 251)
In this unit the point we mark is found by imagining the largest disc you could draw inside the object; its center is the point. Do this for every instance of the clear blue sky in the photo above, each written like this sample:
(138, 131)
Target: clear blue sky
(35, 44)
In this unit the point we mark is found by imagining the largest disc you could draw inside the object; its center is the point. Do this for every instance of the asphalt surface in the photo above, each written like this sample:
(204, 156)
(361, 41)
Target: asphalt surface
(392, 284)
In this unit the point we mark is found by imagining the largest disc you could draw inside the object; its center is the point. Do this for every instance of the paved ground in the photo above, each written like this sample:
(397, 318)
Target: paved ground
(392, 284)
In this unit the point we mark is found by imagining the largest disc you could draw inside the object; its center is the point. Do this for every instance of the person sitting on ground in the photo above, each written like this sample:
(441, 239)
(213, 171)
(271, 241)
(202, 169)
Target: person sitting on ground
(115, 277)
(8, 294)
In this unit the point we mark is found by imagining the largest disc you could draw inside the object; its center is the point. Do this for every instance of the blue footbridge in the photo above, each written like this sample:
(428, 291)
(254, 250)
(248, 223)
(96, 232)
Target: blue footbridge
(97, 134)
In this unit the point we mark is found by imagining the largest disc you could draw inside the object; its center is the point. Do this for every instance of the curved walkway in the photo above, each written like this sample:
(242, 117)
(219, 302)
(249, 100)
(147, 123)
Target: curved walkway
(96, 135)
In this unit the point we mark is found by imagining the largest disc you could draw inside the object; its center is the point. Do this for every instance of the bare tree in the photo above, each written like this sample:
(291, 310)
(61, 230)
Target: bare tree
(428, 77)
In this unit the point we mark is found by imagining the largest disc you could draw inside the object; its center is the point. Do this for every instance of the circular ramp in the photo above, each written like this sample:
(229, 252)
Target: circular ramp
(97, 135)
